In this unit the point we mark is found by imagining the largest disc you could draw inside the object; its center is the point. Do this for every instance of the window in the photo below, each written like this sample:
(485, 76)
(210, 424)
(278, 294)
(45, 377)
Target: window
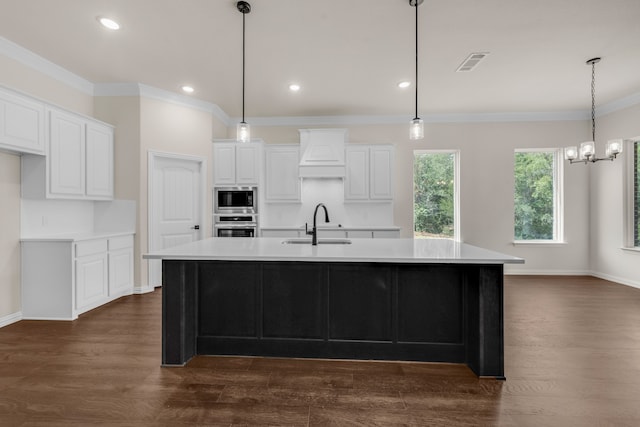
(435, 194)
(537, 196)
(633, 195)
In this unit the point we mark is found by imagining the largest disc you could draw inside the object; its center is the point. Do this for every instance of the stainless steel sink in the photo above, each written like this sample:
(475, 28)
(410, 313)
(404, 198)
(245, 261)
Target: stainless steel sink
(320, 242)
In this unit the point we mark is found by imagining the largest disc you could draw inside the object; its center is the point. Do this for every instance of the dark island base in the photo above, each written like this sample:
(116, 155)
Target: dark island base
(419, 312)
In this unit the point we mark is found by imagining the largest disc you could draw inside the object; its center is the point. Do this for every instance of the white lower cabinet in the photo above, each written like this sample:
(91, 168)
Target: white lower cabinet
(64, 278)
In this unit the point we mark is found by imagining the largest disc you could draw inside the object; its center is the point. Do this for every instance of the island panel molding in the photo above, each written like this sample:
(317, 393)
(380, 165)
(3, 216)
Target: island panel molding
(388, 311)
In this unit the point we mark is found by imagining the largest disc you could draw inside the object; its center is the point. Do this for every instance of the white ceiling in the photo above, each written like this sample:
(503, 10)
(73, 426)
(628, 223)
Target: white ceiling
(348, 55)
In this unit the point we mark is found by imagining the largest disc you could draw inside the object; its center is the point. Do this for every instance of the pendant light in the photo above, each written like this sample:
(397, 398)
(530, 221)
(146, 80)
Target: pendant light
(243, 128)
(587, 152)
(416, 129)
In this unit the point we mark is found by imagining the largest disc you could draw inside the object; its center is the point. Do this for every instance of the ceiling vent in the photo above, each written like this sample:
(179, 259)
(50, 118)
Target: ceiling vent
(471, 62)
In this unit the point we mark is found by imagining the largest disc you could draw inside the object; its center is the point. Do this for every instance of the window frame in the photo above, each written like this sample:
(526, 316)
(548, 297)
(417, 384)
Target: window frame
(558, 198)
(456, 188)
(629, 198)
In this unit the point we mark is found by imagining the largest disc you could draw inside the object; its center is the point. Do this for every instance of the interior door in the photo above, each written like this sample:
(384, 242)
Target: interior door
(175, 202)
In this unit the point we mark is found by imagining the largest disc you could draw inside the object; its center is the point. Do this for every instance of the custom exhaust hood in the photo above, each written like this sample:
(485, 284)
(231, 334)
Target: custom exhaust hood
(322, 153)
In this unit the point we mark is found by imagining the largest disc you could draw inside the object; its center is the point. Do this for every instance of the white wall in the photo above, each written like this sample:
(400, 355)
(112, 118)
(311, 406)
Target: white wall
(486, 163)
(9, 237)
(607, 258)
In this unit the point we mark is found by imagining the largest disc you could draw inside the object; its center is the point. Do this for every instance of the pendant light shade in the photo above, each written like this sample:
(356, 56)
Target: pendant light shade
(243, 129)
(416, 128)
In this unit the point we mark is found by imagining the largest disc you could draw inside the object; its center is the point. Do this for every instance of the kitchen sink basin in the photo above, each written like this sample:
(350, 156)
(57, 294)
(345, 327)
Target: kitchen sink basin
(320, 242)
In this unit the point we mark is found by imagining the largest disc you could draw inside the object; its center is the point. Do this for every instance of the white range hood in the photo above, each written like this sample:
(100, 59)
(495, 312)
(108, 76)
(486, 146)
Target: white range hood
(322, 153)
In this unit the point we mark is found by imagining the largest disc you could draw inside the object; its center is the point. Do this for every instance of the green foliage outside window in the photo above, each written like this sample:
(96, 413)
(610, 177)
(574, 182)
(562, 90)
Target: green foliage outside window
(636, 192)
(534, 196)
(433, 194)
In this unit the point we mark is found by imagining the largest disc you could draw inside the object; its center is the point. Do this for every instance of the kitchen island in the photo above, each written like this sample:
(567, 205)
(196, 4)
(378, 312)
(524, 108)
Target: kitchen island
(390, 299)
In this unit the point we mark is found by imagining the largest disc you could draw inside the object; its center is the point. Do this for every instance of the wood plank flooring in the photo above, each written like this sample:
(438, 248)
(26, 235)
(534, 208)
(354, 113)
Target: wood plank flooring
(572, 358)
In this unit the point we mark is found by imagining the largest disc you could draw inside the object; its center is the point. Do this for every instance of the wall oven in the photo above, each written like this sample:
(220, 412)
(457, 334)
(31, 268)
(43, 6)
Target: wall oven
(235, 225)
(235, 200)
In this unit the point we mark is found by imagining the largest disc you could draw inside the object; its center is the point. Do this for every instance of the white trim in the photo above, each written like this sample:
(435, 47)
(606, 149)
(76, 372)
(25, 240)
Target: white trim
(152, 155)
(40, 64)
(10, 318)
(616, 279)
(629, 198)
(141, 90)
(538, 243)
(618, 104)
(513, 271)
(44, 66)
(635, 249)
(428, 118)
(141, 290)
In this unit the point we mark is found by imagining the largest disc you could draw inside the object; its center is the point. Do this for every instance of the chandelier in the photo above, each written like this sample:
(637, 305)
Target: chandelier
(587, 151)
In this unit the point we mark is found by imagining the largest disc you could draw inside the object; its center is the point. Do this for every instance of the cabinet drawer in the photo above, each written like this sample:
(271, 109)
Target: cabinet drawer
(90, 247)
(121, 242)
(360, 234)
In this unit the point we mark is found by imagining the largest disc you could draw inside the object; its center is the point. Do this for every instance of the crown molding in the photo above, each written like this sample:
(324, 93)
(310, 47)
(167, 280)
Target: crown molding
(48, 68)
(137, 89)
(38, 63)
(428, 118)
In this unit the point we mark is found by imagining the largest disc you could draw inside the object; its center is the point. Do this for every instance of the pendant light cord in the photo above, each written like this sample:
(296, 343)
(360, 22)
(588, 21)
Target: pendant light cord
(243, 66)
(416, 6)
(593, 101)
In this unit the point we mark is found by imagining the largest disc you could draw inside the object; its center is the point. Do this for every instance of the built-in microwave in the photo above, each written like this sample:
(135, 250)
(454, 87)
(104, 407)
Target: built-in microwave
(235, 200)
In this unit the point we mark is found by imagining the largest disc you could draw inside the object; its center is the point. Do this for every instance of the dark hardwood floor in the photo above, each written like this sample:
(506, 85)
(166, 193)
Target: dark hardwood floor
(572, 358)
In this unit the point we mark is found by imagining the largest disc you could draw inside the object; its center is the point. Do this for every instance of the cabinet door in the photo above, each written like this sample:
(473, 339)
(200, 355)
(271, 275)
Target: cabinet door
(99, 161)
(247, 163)
(356, 183)
(66, 158)
(21, 124)
(283, 181)
(120, 272)
(91, 281)
(224, 163)
(381, 166)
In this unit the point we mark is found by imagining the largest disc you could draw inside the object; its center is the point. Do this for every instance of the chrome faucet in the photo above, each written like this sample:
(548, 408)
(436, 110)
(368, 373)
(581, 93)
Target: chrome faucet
(314, 230)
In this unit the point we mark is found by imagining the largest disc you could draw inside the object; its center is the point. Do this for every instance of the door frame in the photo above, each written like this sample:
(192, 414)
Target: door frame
(152, 158)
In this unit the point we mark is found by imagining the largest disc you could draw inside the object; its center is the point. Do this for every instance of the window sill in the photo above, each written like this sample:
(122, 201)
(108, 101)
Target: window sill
(538, 243)
(636, 249)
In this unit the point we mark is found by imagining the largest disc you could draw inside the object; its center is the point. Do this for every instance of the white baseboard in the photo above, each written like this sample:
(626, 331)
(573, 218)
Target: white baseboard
(11, 318)
(518, 272)
(139, 290)
(620, 280)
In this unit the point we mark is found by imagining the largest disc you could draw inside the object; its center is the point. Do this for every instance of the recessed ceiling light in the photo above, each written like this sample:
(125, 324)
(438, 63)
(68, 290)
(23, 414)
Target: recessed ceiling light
(404, 84)
(187, 89)
(109, 23)
(294, 87)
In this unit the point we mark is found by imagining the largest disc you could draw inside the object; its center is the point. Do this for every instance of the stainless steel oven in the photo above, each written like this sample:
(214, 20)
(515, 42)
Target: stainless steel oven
(234, 200)
(229, 225)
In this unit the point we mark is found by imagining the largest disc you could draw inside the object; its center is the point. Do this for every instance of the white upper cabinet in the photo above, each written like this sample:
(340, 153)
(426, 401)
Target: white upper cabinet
(236, 163)
(22, 121)
(79, 162)
(381, 172)
(370, 171)
(99, 166)
(66, 154)
(282, 178)
(356, 183)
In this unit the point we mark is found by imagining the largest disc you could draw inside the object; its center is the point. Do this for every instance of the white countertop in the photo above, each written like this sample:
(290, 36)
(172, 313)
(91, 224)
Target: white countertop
(76, 237)
(360, 250)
